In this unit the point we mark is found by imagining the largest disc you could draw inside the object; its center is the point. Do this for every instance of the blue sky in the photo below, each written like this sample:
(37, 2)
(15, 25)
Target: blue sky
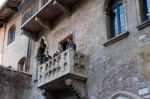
(2, 1)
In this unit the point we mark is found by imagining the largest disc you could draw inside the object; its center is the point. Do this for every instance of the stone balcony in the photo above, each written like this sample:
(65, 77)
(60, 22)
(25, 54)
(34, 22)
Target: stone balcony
(67, 64)
(69, 69)
(47, 15)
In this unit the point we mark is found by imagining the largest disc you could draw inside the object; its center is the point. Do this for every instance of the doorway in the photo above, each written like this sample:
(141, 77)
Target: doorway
(63, 43)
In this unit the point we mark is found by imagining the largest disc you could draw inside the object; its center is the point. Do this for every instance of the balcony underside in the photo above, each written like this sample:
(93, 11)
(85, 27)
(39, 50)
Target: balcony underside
(46, 16)
(59, 84)
(68, 2)
(8, 9)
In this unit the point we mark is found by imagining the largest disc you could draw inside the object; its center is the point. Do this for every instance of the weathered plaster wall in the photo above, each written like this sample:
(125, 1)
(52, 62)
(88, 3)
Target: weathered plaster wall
(1, 43)
(17, 49)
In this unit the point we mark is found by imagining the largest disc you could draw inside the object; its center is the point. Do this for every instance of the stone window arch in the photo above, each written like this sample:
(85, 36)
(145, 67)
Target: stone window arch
(124, 95)
(115, 17)
(11, 34)
(22, 66)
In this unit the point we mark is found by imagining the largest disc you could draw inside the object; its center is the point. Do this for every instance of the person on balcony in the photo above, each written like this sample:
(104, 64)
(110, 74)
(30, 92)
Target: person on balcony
(70, 44)
(59, 51)
(45, 57)
(41, 51)
(56, 53)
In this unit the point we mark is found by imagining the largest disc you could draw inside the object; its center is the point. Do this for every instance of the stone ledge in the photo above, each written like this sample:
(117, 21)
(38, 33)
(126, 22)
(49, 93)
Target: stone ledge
(117, 38)
(143, 24)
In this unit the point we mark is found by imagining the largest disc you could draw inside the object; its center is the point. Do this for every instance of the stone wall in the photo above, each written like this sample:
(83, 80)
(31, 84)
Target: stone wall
(17, 85)
(17, 49)
(122, 66)
(113, 68)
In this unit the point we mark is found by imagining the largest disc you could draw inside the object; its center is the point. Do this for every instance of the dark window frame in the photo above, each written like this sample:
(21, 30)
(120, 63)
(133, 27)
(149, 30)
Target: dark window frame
(110, 7)
(145, 15)
(11, 34)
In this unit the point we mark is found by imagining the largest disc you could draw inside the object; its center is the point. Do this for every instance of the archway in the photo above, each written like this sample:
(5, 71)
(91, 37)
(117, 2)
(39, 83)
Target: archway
(22, 65)
(124, 95)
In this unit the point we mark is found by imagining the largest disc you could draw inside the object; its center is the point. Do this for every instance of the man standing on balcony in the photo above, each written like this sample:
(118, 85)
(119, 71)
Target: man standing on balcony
(70, 44)
(45, 57)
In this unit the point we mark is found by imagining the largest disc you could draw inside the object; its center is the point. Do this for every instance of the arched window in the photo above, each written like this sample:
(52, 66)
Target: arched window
(116, 17)
(11, 34)
(124, 95)
(22, 66)
(145, 9)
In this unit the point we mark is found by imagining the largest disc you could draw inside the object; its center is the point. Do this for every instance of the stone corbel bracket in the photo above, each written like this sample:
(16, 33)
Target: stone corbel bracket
(77, 87)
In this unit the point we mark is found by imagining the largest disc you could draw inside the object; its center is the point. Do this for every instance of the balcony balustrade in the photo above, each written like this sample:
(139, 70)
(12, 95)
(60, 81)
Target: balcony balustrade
(53, 74)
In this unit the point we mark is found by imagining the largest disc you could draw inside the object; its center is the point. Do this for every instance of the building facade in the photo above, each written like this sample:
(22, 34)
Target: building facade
(112, 55)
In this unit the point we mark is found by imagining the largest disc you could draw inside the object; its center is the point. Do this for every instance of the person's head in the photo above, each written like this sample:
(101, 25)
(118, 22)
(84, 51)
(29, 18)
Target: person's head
(57, 52)
(42, 41)
(46, 53)
(69, 40)
(60, 48)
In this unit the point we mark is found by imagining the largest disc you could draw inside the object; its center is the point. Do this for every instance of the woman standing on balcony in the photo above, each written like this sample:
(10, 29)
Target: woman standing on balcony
(41, 51)
(70, 44)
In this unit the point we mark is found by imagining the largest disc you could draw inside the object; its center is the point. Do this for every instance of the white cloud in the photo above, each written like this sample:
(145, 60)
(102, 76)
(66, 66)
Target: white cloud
(2, 1)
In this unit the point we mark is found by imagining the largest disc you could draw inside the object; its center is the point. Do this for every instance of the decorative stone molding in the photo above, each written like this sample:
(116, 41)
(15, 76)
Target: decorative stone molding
(115, 39)
(143, 24)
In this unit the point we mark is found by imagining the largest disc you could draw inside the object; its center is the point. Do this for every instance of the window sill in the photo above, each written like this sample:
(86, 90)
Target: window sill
(10, 43)
(143, 24)
(26, 73)
(117, 38)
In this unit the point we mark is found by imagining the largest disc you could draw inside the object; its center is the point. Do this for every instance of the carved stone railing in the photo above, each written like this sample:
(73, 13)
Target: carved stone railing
(68, 63)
